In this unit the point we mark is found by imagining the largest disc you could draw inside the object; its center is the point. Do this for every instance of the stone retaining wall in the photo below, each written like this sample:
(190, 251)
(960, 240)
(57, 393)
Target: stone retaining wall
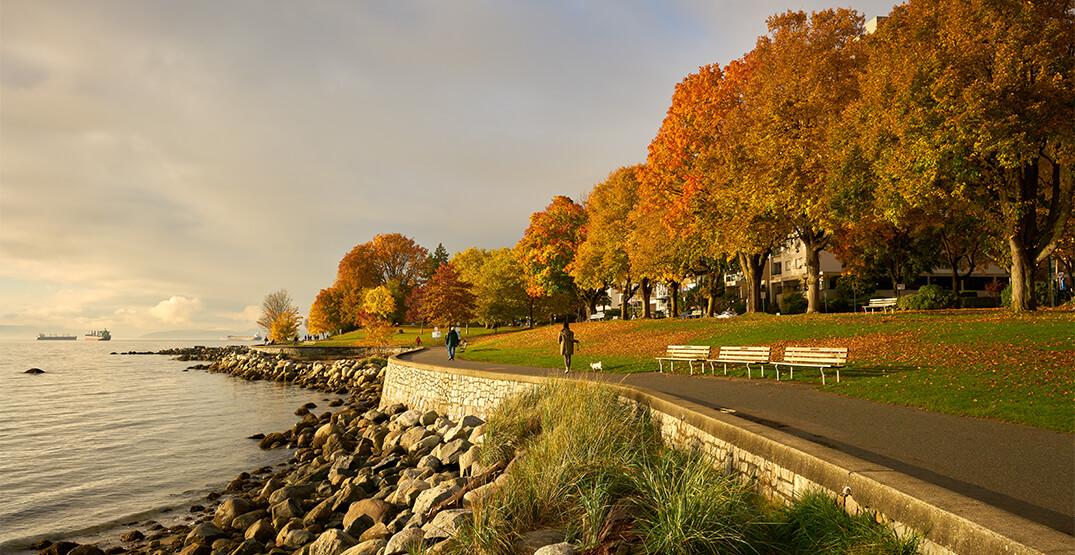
(781, 465)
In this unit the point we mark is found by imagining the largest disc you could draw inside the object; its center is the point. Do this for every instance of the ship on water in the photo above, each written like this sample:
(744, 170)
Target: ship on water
(98, 335)
(255, 337)
(55, 337)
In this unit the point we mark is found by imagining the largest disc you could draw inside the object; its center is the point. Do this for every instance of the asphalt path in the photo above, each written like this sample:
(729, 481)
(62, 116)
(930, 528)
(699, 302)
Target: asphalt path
(1023, 470)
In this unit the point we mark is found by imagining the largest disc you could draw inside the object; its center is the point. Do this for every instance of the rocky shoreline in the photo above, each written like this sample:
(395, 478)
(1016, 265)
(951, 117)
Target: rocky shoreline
(362, 481)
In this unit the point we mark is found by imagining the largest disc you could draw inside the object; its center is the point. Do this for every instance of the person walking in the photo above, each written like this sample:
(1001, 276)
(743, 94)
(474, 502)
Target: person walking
(567, 345)
(452, 341)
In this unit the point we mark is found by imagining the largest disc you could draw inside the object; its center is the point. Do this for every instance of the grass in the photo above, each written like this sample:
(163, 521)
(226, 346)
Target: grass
(406, 335)
(983, 363)
(589, 456)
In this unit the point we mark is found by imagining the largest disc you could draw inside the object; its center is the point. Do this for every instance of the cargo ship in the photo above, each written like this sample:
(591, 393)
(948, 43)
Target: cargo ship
(101, 335)
(55, 337)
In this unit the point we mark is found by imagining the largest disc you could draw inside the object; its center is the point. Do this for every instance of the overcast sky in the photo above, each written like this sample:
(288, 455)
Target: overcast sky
(164, 165)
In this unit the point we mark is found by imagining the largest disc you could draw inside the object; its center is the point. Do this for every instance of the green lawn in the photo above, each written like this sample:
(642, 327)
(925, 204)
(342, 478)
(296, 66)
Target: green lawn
(983, 363)
(406, 335)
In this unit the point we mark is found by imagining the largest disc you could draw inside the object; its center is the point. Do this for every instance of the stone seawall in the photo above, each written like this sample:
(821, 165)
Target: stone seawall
(781, 465)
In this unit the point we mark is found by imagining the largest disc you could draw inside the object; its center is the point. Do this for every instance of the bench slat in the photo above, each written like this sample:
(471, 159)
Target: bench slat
(734, 354)
(688, 353)
(817, 357)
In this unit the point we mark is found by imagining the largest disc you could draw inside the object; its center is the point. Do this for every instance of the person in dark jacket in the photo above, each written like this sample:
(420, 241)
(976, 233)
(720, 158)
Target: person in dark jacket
(567, 345)
(451, 341)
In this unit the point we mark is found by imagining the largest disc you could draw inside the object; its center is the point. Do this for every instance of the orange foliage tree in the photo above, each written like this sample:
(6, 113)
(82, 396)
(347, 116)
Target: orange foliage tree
(805, 75)
(547, 248)
(601, 258)
(446, 299)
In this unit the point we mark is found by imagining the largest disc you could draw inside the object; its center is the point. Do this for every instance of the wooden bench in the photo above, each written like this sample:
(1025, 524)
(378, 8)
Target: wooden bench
(741, 355)
(814, 357)
(887, 304)
(684, 353)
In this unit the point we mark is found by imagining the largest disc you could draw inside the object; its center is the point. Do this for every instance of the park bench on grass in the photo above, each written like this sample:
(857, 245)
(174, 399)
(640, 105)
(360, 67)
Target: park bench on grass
(684, 353)
(887, 304)
(741, 355)
(814, 357)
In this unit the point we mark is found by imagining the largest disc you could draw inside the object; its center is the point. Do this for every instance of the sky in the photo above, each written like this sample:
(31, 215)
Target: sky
(164, 165)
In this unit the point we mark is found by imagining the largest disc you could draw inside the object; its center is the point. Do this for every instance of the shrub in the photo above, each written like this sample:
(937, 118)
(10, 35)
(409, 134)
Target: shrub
(1041, 294)
(929, 297)
(793, 303)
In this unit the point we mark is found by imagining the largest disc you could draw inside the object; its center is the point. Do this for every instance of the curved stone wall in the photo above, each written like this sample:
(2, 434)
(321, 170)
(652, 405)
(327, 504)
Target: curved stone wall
(781, 465)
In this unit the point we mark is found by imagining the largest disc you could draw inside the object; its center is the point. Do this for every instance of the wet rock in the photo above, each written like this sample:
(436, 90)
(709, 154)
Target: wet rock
(229, 510)
(205, 533)
(34, 371)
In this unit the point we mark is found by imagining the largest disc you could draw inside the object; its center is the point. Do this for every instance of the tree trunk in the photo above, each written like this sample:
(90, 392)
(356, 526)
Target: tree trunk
(673, 291)
(753, 265)
(647, 288)
(1022, 272)
(814, 242)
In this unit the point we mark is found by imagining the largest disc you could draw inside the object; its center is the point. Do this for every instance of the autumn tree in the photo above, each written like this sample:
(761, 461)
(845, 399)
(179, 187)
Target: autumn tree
(873, 247)
(279, 317)
(497, 283)
(601, 259)
(701, 180)
(378, 309)
(392, 260)
(973, 101)
(547, 248)
(324, 314)
(806, 75)
(446, 299)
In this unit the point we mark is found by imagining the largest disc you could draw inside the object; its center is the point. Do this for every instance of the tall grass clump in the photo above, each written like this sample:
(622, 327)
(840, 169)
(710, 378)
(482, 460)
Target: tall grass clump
(814, 523)
(578, 451)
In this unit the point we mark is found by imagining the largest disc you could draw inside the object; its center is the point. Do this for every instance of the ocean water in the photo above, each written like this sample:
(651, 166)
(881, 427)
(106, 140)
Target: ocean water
(100, 440)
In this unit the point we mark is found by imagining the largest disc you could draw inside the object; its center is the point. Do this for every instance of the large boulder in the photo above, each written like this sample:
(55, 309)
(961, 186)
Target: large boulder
(332, 542)
(229, 510)
(433, 496)
(378, 510)
(450, 452)
(292, 492)
(370, 547)
(406, 541)
(205, 533)
(297, 538)
(446, 524)
(261, 531)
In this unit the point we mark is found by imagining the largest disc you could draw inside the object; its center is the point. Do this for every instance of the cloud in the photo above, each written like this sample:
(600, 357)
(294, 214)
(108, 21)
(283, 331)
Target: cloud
(176, 310)
(248, 315)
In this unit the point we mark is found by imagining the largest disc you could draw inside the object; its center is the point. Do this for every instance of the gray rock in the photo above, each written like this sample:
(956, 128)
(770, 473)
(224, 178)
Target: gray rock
(406, 420)
(449, 452)
(206, 533)
(378, 531)
(297, 538)
(332, 542)
(446, 524)
(467, 460)
(229, 510)
(428, 418)
(371, 547)
(431, 497)
(429, 461)
(291, 492)
(285, 510)
(412, 436)
(533, 541)
(249, 547)
(376, 509)
(404, 542)
(563, 548)
(261, 531)
(426, 445)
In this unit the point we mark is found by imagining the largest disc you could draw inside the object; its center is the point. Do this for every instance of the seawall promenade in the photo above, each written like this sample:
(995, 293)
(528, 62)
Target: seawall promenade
(937, 474)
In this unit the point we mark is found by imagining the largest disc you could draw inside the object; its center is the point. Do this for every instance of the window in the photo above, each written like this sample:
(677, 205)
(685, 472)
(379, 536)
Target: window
(776, 268)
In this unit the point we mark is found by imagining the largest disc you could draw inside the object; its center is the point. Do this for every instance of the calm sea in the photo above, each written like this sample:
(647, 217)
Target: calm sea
(100, 440)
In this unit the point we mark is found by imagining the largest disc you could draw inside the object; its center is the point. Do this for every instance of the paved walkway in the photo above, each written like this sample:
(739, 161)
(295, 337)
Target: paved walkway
(1025, 471)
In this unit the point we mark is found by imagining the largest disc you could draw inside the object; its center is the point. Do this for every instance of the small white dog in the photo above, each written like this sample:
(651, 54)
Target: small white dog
(595, 366)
